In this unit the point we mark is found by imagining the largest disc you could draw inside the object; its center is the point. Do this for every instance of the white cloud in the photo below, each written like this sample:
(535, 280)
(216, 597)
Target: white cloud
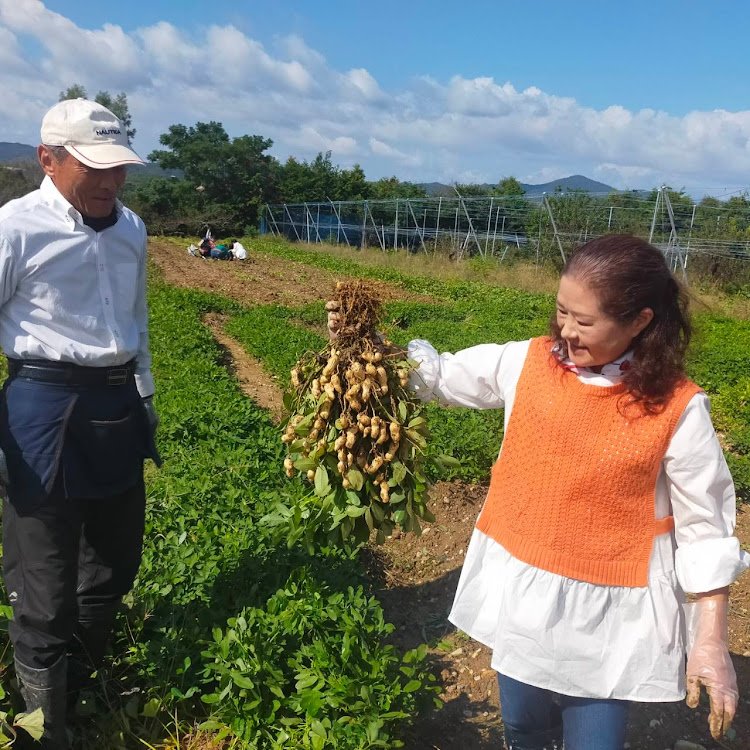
(363, 84)
(379, 148)
(312, 141)
(460, 129)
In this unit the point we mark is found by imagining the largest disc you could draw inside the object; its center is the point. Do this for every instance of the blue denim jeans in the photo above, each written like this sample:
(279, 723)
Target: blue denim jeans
(537, 719)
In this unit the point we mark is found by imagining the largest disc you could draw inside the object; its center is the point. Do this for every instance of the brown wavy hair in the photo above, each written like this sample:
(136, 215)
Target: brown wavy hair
(628, 274)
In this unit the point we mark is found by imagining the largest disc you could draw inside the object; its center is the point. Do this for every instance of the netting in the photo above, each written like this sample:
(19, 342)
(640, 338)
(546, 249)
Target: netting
(509, 226)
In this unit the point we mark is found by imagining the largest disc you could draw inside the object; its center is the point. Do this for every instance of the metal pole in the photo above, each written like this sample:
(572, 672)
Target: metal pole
(416, 224)
(381, 242)
(317, 224)
(674, 241)
(455, 230)
(291, 221)
(471, 227)
(656, 210)
(309, 214)
(273, 219)
(539, 239)
(364, 226)
(494, 231)
(338, 217)
(690, 235)
(395, 229)
(554, 226)
(437, 226)
(307, 223)
(609, 223)
(489, 220)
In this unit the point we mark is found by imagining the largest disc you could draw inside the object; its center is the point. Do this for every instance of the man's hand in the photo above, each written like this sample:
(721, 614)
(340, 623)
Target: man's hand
(4, 476)
(151, 413)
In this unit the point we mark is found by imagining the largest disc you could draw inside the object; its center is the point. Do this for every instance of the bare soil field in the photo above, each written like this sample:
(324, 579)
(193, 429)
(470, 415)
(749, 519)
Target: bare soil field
(259, 280)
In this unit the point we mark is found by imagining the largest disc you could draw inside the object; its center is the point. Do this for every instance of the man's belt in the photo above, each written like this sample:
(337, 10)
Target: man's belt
(66, 373)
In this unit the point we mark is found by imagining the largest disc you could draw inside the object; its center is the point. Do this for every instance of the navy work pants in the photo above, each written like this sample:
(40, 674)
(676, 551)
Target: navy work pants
(73, 518)
(67, 565)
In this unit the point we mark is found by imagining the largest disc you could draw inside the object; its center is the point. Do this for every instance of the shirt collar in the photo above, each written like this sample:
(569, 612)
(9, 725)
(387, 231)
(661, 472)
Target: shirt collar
(611, 373)
(55, 200)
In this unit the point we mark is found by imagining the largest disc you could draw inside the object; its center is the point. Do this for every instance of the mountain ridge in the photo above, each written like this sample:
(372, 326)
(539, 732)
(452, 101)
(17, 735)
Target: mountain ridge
(13, 153)
(566, 184)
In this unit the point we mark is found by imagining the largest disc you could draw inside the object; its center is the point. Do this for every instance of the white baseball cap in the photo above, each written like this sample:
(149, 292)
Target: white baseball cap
(90, 133)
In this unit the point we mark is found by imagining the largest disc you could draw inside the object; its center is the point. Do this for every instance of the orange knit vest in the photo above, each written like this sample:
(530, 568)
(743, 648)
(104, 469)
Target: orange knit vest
(573, 489)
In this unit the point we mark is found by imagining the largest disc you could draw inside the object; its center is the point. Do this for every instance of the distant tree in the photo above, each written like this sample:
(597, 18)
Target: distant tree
(321, 180)
(391, 187)
(473, 190)
(234, 176)
(509, 186)
(301, 181)
(14, 184)
(117, 105)
(76, 91)
(353, 185)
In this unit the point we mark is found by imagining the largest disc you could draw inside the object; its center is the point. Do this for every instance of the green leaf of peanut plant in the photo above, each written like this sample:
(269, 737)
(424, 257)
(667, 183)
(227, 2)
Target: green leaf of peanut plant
(32, 723)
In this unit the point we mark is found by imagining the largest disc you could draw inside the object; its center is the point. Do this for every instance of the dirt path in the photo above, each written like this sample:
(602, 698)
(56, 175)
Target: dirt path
(249, 372)
(261, 279)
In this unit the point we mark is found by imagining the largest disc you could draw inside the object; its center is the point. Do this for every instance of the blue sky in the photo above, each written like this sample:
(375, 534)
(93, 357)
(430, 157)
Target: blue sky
(662, 54)
(630, 93)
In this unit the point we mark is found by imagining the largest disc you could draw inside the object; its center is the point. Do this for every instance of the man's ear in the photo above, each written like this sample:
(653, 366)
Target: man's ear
(47, 160)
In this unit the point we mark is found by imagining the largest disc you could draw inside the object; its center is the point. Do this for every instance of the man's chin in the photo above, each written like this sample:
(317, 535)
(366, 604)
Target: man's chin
(99, 209)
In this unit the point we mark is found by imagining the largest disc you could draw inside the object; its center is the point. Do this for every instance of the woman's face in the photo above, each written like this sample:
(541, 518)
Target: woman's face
(593, 338)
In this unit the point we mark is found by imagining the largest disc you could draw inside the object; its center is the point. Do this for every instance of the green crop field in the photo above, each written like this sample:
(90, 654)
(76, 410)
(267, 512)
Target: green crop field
(261, 645)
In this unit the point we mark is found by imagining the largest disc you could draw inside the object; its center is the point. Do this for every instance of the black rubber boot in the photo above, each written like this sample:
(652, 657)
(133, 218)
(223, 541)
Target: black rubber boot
(46, 689)
(93, 632)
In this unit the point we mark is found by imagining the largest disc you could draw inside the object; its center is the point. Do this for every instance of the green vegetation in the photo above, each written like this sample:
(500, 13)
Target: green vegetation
(228, 180)
(477, 313)
(261, 642)
(224, 627)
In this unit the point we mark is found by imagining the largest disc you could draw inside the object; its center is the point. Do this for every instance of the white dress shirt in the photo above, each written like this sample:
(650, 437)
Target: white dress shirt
(574, 637)
(68, 293)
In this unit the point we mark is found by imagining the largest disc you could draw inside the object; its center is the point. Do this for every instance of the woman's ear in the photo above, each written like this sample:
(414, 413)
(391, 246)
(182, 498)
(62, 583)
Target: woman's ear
(641, 322)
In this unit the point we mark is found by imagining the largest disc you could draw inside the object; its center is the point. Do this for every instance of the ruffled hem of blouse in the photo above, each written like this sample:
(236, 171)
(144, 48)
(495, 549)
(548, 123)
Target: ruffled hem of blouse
(570, 636)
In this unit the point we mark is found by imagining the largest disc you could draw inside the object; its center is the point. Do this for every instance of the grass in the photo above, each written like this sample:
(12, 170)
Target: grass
(525, 274)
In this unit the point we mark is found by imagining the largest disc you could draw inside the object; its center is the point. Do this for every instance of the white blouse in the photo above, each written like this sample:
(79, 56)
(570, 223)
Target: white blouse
(574, 637)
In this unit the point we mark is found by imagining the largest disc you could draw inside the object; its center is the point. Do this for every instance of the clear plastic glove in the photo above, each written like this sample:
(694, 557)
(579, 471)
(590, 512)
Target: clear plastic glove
(334, 321)
(709, 664)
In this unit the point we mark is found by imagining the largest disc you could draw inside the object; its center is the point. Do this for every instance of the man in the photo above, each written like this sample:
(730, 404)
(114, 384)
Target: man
(76, 418)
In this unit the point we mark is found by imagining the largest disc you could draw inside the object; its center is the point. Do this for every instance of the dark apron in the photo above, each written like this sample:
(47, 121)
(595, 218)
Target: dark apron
(85, 441)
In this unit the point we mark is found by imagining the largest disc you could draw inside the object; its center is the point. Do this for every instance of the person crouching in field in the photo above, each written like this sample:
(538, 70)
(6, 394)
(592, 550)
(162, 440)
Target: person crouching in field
(610, 499)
